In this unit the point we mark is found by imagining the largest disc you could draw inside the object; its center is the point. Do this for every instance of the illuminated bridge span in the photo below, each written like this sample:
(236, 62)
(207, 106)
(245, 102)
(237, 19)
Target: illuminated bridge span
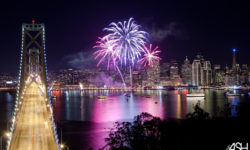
(33, 126)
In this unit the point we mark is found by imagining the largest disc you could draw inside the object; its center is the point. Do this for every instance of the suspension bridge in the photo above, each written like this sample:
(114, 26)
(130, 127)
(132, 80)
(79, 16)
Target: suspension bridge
(33, 126)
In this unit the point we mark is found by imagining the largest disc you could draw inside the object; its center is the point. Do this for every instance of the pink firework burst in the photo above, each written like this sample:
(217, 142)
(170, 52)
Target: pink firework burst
(150, 56)
(105, 51)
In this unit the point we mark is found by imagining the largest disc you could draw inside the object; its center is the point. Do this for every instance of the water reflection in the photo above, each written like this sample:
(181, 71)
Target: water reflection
(85, 105)
(233, 100)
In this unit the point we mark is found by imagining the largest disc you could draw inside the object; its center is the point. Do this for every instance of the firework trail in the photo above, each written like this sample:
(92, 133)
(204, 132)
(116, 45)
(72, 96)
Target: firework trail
(105, 51)
(150, 56)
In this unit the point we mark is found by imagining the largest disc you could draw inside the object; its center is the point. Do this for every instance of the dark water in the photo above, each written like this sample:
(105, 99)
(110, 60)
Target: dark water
(85, 120)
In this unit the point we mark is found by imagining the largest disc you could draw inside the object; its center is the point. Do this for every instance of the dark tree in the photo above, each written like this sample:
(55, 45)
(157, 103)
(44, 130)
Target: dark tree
(198, 114)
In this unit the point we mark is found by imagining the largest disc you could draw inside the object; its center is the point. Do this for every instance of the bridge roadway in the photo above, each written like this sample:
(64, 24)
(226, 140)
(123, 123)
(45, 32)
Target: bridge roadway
(33, 128)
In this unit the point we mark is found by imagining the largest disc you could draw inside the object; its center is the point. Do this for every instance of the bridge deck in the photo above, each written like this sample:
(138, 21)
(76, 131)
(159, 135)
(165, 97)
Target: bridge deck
(33, 128)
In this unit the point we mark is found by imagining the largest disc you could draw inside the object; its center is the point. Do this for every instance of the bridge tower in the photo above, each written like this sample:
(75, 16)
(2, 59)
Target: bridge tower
(33, 56)
(32, 61)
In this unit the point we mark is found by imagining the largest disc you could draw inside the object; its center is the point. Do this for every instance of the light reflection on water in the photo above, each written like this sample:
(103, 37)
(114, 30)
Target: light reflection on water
(234, 102)
(85, 106)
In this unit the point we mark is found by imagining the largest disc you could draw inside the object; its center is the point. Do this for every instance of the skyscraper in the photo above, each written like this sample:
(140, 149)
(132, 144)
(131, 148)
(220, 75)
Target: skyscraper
(174, 72)
(206, 75)
(244, 74)
(164, 71)
(186, 72)
(218, 75)
(153, 74)
(234, 59)
(196, 72)
(201, 71)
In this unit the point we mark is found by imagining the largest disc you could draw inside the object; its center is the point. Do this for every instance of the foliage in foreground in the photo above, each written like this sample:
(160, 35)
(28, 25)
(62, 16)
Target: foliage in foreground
(142, 133)
(147, 132)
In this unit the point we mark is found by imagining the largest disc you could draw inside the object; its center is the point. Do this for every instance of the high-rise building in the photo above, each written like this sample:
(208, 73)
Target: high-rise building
(153, 74)
(244, 75)
(164, 71)
(206, 74)
(173, 69)
(196, 72)
(201, 71)
(174, 72)
(186, 72)
(234, 59)
(137, 78)
(219, 77)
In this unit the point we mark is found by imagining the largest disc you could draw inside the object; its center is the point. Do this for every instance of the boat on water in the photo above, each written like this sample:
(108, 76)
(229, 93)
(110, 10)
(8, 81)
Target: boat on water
(127, 95)
(231, 93)
(148, 96)
(101, 97)
(196, 95)
(219, 88)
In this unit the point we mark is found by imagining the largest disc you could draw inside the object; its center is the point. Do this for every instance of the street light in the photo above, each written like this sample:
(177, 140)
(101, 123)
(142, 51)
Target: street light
(7, 134)
(62, 146)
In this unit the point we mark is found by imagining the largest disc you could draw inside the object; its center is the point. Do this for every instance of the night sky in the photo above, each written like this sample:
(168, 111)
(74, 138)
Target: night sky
(179, 28)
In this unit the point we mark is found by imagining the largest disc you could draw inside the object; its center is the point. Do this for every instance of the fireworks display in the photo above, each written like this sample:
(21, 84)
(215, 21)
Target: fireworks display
(124, 44)
(129, 40)
(150, 56)
(105, 51)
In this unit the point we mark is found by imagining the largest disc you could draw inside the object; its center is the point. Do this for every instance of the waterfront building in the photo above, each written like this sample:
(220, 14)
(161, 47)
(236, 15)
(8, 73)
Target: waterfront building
(153, 74)
(174, 73)
(137, 78)
(206, 74)
(196, 72)
(174, 70)
(201, 71)
(165, 71)
(186, 72)
(217, 67)
(233, 75)
(7, 79)
(219, 77)
(244, 75)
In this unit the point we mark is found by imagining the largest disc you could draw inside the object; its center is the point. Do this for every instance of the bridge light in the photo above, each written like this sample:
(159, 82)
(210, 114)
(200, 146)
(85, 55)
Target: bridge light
(7, 134)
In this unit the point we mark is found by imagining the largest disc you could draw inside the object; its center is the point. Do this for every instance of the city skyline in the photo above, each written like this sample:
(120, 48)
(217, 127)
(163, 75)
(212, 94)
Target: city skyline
(197, 72)
(68, 43)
